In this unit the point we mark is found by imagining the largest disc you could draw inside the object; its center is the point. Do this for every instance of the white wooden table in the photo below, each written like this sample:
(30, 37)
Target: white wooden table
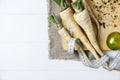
(24, 47)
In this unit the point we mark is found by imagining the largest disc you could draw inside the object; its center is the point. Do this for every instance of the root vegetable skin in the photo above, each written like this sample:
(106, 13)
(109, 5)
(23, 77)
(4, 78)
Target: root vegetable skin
(83, 19)
(68, 20)
(86, 5)
(64, 44)
(65, 35)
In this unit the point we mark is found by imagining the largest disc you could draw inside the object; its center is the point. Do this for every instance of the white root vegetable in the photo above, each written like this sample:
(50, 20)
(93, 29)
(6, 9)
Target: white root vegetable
(87, 6)
(65, 35)
(83, 19)
(68, 20)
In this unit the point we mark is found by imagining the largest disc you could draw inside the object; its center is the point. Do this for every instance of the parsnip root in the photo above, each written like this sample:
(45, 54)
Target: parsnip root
(65, 35)
(83, 19)
(68, 20)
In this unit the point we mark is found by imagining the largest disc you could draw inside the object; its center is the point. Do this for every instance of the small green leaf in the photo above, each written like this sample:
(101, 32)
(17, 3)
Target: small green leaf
(53, 20)
(61, 3)
(77, 6)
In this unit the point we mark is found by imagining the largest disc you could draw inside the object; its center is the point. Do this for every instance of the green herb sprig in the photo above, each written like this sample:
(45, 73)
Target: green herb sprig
(53, 20)
(77, 6)
(61, 3)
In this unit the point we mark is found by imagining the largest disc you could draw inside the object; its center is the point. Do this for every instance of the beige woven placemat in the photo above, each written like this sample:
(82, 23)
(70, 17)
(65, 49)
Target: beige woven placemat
(55, 47)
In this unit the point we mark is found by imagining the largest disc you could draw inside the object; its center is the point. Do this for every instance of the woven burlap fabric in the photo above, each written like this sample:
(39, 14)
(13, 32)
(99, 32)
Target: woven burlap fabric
(55, 48)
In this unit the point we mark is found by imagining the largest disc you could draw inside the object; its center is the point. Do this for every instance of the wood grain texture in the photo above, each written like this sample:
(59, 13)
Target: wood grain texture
(111, 24)
(104, 34)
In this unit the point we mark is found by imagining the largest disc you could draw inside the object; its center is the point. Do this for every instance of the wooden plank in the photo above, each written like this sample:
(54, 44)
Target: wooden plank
(105, 14)
(58, 75)
(15, 28)
(22, 6)
(104, 34)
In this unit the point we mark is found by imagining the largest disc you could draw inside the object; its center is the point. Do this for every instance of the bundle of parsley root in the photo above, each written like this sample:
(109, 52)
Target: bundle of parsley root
(82, 17)
(65, 35)
(68, 19)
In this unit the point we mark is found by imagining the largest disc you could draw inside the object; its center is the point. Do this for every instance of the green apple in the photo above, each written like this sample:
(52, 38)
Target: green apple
(113, 41)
